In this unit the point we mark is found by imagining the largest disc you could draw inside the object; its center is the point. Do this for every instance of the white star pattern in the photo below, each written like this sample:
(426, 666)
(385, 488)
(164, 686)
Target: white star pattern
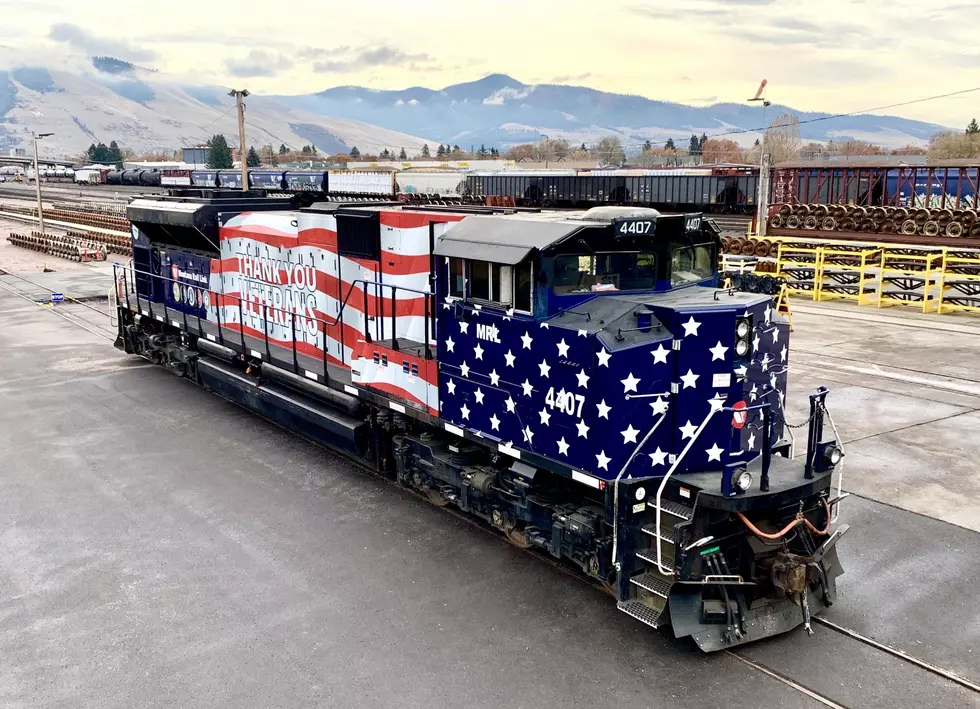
(768, 315)
(479, 395)
(775, 335)
(526, 339)
(753, 393)
(690, 379)
(477, 307)
(755, 343)
(583, 430)
(604, 357)
(741, 372)
(691, 327)
(562, 446)
(510, 314)
(464, 369)
(659, 406)
(450, 386)
(562, 348)
(765, 362)
(478, 351)
(463, 326)
(782, 354)
(545, 417)
(751, 441)
(510, 358)
(603, 409)
(629, 384)
(687, 430)
(544, 326)
(527, 388)
(494, 423)
(660, 354)
(603, 460)
(772, 381)
(528, 435)
(583, 333)
(629, 435)
(545, 368)
(465, 412)
(510, 404)
(717, 402)
(494, 378)
(658, 457)
(714, 453)
(450, 345)
(583, 379)
(718, 352)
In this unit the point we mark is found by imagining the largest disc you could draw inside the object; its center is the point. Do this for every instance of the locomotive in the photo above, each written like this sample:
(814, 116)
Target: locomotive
(577, 381)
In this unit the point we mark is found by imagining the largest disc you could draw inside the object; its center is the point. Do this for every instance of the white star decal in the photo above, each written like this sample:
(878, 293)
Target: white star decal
(494, 378)
(478, 351)
(755, 343)
(775, 335)
(717, 402)
(583, 333)
(658, 457)
(753, 393)
(544, 326)
(545, 417)
(690, 379)
(660, 354)
(751, 441)
(714, 453)
(494, 423)
(479, 395)
(527, 388)
(545, 368)
(562, 446)
(629, 435)
(603, 460)
(782, 353)
(741, 372)
(691, 327)
(510, 405)
(583, 430)
(562, 348)
(526, 339)
(772, 381)
(603, 409)
(510, 314)
(688, 430)
(765, 362)
(629, 384)
(450, 386)
(510, 358)
(450, 345)
(583, 379)
(477, 307)
(464, 370)
(447, 306)
(604, 357)
(718, 352)
(768, 315)
(464, 326)
(528, 434)
(465, 412)
(659, 406)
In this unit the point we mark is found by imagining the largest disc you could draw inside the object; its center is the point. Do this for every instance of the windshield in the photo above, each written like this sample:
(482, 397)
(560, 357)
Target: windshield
(604, 271)
(691, 264)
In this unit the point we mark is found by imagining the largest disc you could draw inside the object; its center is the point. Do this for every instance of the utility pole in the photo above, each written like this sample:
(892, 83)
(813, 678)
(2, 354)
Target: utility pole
(242, 151)
(763, 196)
(37, 179)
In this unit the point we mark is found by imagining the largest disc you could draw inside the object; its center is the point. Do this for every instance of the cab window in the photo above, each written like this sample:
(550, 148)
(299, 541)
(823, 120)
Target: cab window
(691, 264)
(604, 271)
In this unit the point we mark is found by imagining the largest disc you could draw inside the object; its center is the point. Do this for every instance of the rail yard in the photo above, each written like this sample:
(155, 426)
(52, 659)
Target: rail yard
(288, 575)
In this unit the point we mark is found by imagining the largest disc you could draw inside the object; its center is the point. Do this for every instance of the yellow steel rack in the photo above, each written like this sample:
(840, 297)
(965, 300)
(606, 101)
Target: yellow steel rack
(848, 273)
(799, 265)
(960, 283)
(910, 277)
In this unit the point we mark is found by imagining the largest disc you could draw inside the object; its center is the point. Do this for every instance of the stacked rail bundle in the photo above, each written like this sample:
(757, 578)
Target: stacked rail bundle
(68, 247)
(906, 221)
(111, 222)
(113, 243)
(113, 210)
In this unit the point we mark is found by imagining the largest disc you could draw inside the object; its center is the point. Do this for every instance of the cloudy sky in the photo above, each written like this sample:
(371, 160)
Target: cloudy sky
(831, 55)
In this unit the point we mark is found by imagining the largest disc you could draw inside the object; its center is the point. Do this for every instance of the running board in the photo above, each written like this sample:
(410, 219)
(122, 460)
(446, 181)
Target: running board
(642, 612)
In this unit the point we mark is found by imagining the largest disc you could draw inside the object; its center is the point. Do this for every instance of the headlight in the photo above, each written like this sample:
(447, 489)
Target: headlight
(641, 492)
(833, 455)
(743, 480)
(742, 348)
(742, 329)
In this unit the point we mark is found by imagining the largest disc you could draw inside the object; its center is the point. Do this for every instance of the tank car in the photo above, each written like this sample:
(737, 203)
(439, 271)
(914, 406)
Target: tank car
(576, 381)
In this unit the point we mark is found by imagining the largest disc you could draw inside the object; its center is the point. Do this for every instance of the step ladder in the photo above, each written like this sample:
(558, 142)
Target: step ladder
(650, 588)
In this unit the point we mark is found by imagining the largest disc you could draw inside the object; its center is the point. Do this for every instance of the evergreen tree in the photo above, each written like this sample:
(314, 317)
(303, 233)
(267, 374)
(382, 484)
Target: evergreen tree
(91, 152)
(403, 155)
(583, 148)
(355, 153)
(670, 144)
(457, 149)
(283, 149)
(305, 150)
(973, 128)
(757, 143)
(647, 146)
(385, 154)
(494, 152)
(425, 151)
(441, 151)
(695, 147)
(252, 159)
(219, 154)
(482, 151)
(115, 154)
(704, 139)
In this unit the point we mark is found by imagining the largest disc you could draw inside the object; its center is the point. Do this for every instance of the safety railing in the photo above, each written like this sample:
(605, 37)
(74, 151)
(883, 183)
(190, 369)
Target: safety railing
(129, 281)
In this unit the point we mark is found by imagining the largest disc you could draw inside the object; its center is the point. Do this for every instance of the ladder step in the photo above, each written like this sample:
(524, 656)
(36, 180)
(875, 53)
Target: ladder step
(654, 583)
(642, 612)
(666, 535)
(676, 509)
(650, 556)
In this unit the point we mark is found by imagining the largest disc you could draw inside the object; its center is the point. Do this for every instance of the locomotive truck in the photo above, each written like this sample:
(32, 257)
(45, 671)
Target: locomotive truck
(577, 381)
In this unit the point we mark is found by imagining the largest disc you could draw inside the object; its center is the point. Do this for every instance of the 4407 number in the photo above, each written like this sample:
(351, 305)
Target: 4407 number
(565, 402)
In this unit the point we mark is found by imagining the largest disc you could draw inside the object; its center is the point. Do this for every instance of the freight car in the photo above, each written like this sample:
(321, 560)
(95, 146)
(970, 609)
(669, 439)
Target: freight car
(360, 183)
(575, 381)
(134, 178)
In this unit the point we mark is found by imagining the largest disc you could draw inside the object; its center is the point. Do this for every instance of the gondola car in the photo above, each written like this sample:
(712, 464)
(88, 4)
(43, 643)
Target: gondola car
(577, 381)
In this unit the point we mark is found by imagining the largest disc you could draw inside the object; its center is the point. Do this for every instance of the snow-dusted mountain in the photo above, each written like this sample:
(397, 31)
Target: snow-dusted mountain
(82, 101)
(500, 110)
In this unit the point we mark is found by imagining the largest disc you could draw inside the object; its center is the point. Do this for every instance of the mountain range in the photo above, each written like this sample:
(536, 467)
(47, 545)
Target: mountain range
(500, 110)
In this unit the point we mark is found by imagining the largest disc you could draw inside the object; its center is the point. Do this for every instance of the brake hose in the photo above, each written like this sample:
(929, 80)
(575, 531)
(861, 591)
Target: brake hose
(799, 518)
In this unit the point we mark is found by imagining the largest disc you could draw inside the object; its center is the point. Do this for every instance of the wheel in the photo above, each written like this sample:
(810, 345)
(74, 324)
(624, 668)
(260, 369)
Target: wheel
(909, 227)
(954, 229)
(810, 222)
(793, 222)
(776, 221)
(931, 228)
(828, 224)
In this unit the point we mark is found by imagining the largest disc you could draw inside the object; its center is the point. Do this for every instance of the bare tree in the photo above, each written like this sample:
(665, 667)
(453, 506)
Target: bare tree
(953, 144)
(609, 151)
(524, 151)
(783, 138)
(716, 150)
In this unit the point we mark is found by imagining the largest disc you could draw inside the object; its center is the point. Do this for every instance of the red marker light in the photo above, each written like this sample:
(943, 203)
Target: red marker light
(739, 415)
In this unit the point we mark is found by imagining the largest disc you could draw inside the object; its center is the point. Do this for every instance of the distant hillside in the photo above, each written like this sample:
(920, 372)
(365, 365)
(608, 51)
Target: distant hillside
(104, 99)
(500, 110)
